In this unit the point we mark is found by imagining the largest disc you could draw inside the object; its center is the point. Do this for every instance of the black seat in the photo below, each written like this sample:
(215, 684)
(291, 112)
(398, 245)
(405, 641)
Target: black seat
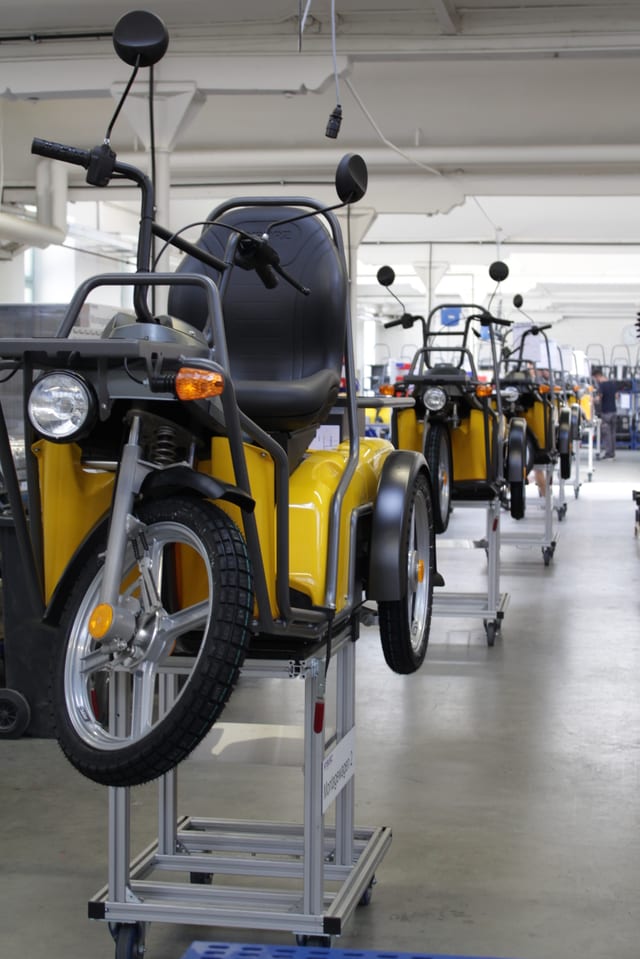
(446, 373)
(285, 349)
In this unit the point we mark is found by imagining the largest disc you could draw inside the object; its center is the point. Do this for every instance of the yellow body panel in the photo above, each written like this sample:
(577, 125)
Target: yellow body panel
(410, 430)
(536, 418)
(311, 490)
(468, 448)
(73, 500)
(586, 404)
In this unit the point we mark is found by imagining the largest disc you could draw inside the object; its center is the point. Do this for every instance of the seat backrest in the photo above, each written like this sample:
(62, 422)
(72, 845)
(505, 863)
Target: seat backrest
(276, 337)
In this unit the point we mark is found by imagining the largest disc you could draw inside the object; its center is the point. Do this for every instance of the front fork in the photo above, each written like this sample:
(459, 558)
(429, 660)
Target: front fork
(131, 472)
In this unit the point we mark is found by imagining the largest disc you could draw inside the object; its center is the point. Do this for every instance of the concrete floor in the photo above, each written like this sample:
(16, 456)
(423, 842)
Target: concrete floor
(509, 775)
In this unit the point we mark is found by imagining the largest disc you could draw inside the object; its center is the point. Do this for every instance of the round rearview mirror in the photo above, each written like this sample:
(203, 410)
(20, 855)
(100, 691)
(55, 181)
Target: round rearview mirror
(518, 301)
(140, 38)
(351, 178)
(498, 271)
(385, 275)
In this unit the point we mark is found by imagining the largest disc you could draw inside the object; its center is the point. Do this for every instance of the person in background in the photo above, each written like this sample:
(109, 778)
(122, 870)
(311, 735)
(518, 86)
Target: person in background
(607, 402)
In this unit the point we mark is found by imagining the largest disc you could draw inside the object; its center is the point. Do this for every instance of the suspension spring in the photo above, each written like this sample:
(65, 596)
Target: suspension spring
(164, 446)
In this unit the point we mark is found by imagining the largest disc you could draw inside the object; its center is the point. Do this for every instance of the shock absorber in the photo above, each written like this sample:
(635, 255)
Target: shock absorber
(163, 447)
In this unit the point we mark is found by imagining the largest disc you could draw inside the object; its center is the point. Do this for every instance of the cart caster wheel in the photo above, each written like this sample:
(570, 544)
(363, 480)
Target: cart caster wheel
(491, 630)
(129, 939)
(576, 492)
(15, 714)
(201, 878)
(547, 553)
(367, 895)
(589, 476)
(302, 939)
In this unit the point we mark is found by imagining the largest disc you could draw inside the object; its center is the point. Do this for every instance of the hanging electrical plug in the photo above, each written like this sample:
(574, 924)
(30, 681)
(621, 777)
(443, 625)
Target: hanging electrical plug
(333, 123)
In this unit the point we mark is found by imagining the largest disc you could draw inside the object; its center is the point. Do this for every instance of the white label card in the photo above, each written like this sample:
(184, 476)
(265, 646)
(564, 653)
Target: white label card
(338, 768)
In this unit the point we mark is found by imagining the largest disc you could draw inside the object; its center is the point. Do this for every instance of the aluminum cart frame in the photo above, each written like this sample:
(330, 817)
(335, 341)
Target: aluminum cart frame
(489, 606)
(528, 532)
(309, 855)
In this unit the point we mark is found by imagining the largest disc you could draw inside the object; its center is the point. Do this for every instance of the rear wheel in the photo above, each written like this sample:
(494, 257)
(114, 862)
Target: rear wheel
(130, 708)
(439, 460)
(405, 623)
(516, 500)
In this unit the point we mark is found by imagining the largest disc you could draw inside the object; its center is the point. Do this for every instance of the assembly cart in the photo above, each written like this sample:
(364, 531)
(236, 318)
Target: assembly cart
(305, 879)
(538, 527)
(489, 606)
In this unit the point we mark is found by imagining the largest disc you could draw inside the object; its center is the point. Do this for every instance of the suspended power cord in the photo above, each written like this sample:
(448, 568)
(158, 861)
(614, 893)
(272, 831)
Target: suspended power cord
(388, 143)
(335, 118)
(411, 159)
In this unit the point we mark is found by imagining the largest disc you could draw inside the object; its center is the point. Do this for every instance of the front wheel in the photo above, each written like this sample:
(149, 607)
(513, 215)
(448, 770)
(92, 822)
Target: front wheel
(405, 623)
(131, 707)
(440, 463)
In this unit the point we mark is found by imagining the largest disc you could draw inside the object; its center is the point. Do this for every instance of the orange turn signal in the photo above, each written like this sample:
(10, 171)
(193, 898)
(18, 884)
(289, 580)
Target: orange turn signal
(544, 388)
(387, 389)
(484, 389)
(195, 384)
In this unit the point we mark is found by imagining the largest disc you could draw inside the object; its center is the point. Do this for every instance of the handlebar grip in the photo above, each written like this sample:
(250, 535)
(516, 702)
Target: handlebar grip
(267, 274)
(59, 151)
(391, 323)
(498, 322)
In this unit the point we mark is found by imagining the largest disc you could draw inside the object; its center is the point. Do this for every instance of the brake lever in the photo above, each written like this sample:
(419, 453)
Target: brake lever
(256, 253)
(291, 280)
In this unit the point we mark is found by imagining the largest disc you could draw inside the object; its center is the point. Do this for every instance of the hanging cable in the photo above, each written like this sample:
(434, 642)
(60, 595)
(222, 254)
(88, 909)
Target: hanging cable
(388, 143)
(107, 136)
(335, 118)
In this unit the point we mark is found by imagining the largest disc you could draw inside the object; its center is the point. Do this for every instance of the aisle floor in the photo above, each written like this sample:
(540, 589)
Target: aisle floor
(510, 776)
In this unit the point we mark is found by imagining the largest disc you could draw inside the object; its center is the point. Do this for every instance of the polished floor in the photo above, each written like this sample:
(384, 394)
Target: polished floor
(510, 776)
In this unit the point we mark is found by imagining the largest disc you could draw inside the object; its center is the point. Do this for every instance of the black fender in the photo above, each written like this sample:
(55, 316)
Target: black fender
(176, 479)
(516, 465)
(387, 558)
(92, 543)
(564, 431)
(576, 421)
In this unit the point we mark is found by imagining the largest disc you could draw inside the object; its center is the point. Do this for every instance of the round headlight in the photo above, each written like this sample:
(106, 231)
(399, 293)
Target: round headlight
(435, 398)
(510, 394)
(60, 406)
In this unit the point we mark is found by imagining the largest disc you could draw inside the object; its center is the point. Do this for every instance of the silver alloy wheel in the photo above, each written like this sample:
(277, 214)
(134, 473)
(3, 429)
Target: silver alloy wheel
(130, 671)
(444, 479)
(418, 572)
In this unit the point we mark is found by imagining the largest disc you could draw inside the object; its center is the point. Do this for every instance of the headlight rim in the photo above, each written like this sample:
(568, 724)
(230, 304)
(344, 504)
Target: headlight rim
(90, 415)
(429, 398)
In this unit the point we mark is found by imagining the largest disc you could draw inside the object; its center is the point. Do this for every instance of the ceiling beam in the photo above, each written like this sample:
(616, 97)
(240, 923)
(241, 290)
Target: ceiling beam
(447, 15)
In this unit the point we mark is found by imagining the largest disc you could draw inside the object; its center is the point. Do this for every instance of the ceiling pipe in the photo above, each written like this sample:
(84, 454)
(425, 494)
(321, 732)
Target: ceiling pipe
(17, 229)
(280, 160)
(50, 225)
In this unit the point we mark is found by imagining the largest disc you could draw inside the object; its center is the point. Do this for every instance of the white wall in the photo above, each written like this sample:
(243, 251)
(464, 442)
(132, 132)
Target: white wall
(12, 280)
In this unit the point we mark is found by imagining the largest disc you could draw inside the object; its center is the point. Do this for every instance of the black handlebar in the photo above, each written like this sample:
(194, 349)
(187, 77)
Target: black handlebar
(253, 252)
(406, 321)
(59, 151)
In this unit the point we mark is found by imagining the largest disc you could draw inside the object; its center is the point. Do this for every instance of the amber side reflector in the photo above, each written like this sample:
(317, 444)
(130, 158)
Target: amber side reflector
(100, 621)
(194, 384)
(544, 388)
(387, 389)
(484, 389)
